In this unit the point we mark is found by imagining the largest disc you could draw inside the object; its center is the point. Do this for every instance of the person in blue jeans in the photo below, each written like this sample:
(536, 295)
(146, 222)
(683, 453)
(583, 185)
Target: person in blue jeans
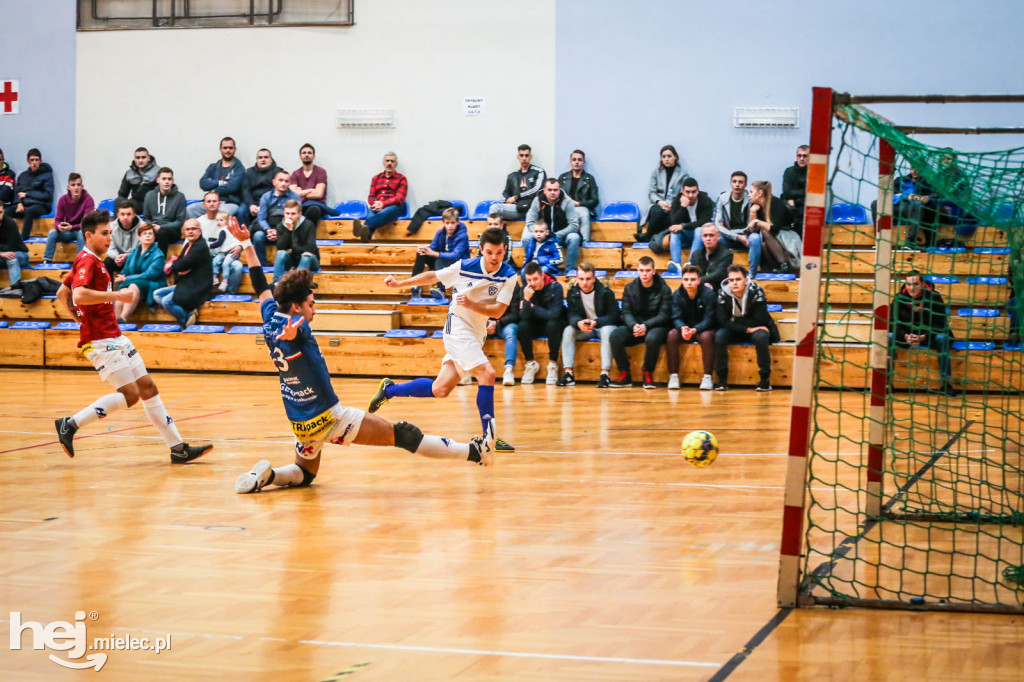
(386, 199)
(296, 242)
(13, 252)
(918, 319)
(507, 327)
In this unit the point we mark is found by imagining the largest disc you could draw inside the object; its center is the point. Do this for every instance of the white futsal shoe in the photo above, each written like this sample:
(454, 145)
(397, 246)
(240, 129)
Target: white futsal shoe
(253, 480)
(530, 372)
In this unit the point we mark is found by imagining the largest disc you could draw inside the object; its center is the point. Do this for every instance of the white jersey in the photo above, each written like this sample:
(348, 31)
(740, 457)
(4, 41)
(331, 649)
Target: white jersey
(468, 277)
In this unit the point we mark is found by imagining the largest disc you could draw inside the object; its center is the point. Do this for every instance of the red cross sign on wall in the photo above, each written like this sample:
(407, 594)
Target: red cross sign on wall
(8, 97)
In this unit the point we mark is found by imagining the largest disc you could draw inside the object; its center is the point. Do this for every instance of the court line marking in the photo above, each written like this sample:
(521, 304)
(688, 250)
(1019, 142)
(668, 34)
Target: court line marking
(840, 552)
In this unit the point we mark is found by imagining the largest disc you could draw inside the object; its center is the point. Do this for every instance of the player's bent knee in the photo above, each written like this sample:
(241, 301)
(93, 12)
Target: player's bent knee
(130, 393)
(408, 436)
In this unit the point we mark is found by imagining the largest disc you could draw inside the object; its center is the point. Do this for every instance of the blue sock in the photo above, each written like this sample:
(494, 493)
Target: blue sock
(417, 388)
(485, 404)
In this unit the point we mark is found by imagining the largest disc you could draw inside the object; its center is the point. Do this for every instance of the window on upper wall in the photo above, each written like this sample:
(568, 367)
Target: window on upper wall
(106, 15)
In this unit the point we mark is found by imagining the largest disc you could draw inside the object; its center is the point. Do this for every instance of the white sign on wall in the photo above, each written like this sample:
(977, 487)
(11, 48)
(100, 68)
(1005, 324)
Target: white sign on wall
(474, 106)
(9, 96)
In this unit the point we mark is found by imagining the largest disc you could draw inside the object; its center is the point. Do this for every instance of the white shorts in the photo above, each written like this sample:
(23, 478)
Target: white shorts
(117, 360)
(463, 346)
(338, 425)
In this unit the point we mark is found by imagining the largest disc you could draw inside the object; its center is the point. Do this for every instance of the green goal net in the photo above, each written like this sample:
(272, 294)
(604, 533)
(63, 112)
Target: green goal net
(914, 488)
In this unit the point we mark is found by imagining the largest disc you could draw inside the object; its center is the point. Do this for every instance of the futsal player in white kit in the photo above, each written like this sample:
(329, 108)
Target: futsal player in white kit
(481, 288)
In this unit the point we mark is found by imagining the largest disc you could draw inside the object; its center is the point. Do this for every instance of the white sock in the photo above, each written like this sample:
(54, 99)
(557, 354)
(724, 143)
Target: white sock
(161, 421)
(435, 446)
(290, 474)
(104, 406)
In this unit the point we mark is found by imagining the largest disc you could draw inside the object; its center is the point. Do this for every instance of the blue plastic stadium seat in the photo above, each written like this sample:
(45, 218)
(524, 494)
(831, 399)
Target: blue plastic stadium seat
(245, 329)
(993, 250)
(849, 214)
(597, 273)
(974, 345)
(51, 214)
(946, 249)
(266, 268)
(626, 274)
(108, 206)
(330, 242)
(30, 324)
(204, 329)
(670, 275)
(775, 307)
(128, 327)
(424, 300)
(994, 281)
(621, 211)
(1012, 346)
(35, 240)
(483, 208)
(405, 334)
(351, 210)
(1005, 213)
(437, 334)
(456, 203)
(3, 324)
(66, 326)
(602, 245)
(159, 328)
(231, 298)
(643, 246)
(977, 312)
(941, 279)
(51, 266)
(775, 276)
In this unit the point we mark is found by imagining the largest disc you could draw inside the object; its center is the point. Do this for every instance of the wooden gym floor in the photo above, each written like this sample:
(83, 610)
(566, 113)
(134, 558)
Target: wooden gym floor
(595, 552)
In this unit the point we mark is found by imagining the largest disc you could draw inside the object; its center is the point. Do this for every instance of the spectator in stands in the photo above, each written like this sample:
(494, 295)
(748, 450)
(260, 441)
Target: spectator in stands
(258, 181)
(693, 321)
(296, 242)
(521, 187)
(208, 219)
(33, 192)
(1012, 310)
(917, 318)
(310, 182)
(123, 236)
(769, 217)
(543, 249)
(541, 313)
(507, 327)
(666, 182)
(7, 182)
(917, 208)
(193, 276)
(143, 273)
(562, 218)
(13, 252)
(742, 317)
(496, 221)
(691, 209)
(732, 214)
(794, 185)
(71, 208)
(226, 177)
(271, 211)
(139, 180)
(581, 187)
(450, 243)
(713, 258)
(646, 319)
(164, 207)
(593, 314)
(227, 253)
(386, 199)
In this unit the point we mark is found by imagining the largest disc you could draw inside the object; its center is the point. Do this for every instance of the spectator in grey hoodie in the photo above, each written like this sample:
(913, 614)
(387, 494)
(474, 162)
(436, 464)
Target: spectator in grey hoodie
(123, 237)
(165, 208)
(732, 215)
(139, 179)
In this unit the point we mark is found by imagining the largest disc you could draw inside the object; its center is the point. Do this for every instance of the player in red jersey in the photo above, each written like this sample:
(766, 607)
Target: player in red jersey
(86, 292)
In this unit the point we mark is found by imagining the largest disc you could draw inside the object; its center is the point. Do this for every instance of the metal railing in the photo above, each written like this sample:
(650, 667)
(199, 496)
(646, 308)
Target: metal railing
(101, 15)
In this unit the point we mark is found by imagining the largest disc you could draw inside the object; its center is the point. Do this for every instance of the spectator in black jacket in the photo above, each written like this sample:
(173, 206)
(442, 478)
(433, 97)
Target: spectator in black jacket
(33, 193)
(13, 252)
(193, 277)
(743, 317)
(139, 179)
(507, 327)
(541, 314)
(7, 182)
(794, 185)
(296, 242)
(917, 318)
(713, 259)
(581, 187)
(646, 318)
(691, 208)
(693, 321)
(258, 181)
(521, 186)
(593, 314)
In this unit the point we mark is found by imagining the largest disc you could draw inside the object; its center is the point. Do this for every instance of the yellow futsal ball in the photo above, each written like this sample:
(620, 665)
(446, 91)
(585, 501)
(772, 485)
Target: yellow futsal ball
(700, 448)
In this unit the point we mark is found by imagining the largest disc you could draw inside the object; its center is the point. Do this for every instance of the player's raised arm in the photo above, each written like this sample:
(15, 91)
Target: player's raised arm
(256, 275)
(425, 278)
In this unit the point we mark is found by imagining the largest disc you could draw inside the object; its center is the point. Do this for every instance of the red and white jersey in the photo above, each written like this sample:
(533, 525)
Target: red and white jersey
(98, 320)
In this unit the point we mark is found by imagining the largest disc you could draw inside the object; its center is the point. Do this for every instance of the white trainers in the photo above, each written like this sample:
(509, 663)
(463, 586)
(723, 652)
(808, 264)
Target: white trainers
(253, 480)
(706, 384)
(223, 286)
(552, 377)
(673, 382)
(508, 378)
(530, 372)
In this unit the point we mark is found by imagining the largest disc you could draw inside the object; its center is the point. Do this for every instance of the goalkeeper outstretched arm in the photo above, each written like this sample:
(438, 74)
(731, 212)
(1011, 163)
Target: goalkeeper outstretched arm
(259, 280)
